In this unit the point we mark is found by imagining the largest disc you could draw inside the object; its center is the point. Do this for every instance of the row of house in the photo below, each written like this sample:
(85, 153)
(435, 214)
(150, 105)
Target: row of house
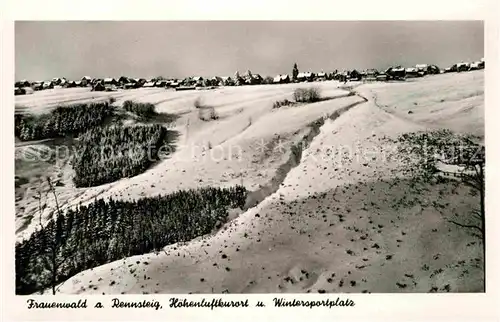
(86, 81)
(55, 82)
(303, 77)
(111, 84)
(466, 66)
(402, 73)
(391, 73)
(253, 79)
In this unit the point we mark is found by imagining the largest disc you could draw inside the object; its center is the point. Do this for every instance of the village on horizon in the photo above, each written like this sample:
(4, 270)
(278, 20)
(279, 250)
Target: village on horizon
(397, 73)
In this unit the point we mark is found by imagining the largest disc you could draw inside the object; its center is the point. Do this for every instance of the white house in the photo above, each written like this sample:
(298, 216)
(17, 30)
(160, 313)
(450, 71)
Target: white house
(421, 67)
(476, 65)
(228, 81)
(110, 81)
(321, 76)
(305, 76)
(463, 66)
(198, 80)
(412, 72)
(149, 84)
(161, 83)
(282, 78)
(47, 85)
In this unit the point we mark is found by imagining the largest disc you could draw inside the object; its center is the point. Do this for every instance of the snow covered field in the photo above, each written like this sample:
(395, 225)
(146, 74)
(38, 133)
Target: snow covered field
(343, 219)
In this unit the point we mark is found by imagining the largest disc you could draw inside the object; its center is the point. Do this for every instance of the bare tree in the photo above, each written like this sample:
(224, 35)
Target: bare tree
(54, 261)
(471, 162)
(443, 147)
(465, 153)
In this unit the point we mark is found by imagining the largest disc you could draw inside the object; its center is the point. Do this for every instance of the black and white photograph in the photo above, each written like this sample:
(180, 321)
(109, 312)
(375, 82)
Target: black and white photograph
(249, 157)
(201, 164)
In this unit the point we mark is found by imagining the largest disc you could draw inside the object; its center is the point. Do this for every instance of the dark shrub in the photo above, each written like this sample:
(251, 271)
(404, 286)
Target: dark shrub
(140, 109)
(284, 102)
(307, 95)
(207, 113)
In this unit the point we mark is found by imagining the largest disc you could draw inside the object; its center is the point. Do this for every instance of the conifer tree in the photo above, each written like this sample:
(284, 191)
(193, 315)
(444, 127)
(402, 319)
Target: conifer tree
(295, 72)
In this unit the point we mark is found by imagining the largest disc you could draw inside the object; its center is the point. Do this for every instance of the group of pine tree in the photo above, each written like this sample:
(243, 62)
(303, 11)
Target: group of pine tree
(107, 154)
(61, 121)
(105, 231)
(103, 153)
(139, 109)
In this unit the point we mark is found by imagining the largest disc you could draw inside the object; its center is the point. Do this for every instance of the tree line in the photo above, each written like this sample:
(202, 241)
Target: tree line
(62, 121)
(107, 154)
(105, 231)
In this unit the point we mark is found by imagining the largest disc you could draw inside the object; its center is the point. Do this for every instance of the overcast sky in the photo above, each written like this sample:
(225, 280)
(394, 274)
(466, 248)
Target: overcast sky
(177, 49)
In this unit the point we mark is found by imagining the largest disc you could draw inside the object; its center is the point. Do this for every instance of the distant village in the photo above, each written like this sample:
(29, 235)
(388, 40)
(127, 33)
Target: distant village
(397, 73)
